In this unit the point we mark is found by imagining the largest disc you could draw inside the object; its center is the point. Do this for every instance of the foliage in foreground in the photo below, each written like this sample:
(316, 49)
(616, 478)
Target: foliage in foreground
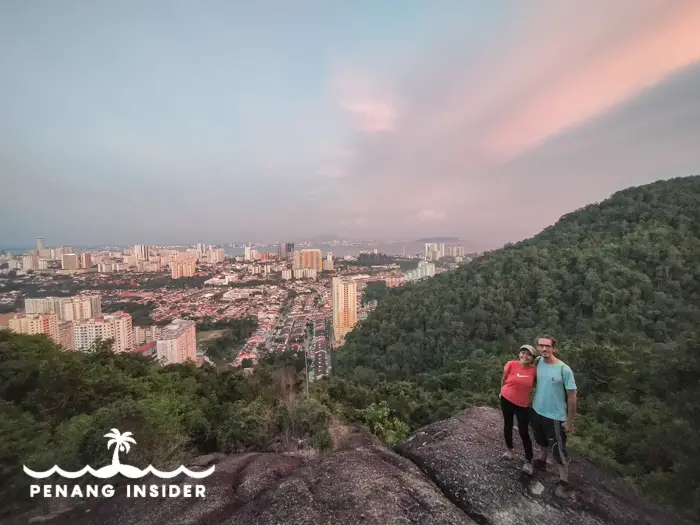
(56, 406)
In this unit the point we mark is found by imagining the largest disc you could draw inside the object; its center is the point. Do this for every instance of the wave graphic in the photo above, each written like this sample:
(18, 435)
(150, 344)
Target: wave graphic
(110, 471)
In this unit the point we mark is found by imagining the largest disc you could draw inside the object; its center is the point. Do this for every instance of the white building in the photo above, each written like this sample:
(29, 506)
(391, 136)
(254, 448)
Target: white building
(424, 269)
(116, 326)
(141, 252)
(178, 342)
(44, 305)
(146, 334)
(216, 256)
(74, 308)
(81, 307)
(305, 273)
(30, 262)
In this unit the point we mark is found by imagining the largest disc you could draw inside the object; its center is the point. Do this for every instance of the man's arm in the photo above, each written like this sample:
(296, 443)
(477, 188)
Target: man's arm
(571, 399)
(571, 404)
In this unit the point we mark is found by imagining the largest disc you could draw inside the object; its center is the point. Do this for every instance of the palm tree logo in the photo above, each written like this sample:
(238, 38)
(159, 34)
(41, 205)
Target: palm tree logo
(121, 443)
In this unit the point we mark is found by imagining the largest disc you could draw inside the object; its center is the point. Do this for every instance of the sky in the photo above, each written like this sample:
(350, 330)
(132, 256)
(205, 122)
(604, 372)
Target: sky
(171, 121)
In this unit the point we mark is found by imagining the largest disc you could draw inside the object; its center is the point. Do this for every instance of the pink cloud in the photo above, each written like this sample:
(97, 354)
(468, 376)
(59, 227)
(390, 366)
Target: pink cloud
(469, 114)
(587, 89)
(371, 107)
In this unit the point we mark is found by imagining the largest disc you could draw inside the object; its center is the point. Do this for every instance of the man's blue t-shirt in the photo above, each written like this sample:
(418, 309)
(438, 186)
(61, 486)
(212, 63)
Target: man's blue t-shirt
(550, 397)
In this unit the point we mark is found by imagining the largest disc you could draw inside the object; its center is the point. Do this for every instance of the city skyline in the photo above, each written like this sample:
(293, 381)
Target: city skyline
(158, 123)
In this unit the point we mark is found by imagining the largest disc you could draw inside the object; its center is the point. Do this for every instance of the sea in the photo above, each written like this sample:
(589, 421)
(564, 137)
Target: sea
(407, 249)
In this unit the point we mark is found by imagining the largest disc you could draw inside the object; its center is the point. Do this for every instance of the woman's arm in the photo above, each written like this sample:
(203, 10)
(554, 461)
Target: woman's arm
(506, 369)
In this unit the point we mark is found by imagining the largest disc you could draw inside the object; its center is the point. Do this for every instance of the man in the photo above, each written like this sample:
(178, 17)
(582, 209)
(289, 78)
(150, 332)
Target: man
(554, 409)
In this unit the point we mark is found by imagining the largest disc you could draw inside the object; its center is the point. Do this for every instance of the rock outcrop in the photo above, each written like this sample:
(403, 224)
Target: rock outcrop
(446, 473)
(461, 456)
(361, 483)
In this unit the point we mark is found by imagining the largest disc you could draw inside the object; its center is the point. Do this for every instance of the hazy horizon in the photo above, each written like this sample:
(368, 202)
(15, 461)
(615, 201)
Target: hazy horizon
(163, 122)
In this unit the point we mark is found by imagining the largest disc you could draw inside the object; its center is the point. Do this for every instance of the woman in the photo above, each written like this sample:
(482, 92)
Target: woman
(519, 378)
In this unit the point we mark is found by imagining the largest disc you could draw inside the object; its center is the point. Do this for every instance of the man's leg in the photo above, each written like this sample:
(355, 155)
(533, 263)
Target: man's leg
(560, 453)
(538, 428)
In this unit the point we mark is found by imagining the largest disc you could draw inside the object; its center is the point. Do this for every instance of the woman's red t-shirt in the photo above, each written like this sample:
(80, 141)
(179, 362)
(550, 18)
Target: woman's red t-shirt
(519, 383)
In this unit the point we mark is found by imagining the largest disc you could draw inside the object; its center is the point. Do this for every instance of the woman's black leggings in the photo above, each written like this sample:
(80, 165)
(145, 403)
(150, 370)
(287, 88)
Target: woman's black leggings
(521, 413)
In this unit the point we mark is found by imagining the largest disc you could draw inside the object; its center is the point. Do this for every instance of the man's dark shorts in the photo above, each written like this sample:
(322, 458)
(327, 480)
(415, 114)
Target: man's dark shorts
(550, 433)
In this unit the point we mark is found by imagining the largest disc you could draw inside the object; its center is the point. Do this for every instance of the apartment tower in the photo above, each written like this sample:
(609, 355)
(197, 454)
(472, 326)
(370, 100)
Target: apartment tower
(344, 307)
(309, 259)
(116, 326)
(177, 342)
(31, 324)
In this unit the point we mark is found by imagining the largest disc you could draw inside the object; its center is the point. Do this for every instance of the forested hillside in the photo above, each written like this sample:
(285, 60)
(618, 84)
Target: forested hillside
(617, 282)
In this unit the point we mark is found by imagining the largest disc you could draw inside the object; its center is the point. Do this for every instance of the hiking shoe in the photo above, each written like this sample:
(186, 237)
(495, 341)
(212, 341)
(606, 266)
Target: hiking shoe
(509, 455)
(563, 489)
(539, 464)
(527, 468)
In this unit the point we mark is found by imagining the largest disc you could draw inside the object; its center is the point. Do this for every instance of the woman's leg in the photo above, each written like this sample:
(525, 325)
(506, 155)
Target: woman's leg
(508, 410)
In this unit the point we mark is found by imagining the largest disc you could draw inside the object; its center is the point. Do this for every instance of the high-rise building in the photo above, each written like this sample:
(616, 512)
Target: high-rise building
(86, 260)
(116, 326)
(146, 334)
(344, 307)
(312, 258)
(147, 266)
(141, 252)
(30, 262)
(247, 255)
(216, 256)
(43, 305)
(66, 308)
(305, 273)
(328, 262)
(81, 307)
(40, 244)
(423, 270)
(44, 323)
(69, 261)
(177, 342)
(441, 250)
(182, 269)
(65, 335)
(285, 251)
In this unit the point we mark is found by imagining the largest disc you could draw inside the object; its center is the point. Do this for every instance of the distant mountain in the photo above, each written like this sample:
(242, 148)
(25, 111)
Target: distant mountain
(325, 237)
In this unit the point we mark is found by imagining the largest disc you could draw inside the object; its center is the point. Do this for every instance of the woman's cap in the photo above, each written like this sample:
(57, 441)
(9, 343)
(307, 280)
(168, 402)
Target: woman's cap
(529, 348)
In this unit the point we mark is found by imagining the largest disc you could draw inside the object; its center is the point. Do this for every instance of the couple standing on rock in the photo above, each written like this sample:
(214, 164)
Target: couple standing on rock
(553, 408)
